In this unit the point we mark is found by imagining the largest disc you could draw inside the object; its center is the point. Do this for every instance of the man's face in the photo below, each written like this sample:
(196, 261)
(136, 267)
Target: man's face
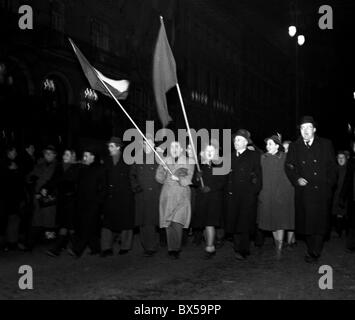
(31, 149)
(12, 154)
(210, 153)
(341, 158)
(175, 149)
(49, 155)
(113, 149)
(88, 158)
(240, 143)
(146, 147)
(307, 131)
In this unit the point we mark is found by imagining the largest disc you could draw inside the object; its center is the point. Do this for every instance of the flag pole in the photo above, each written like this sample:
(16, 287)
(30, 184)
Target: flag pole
(129, 117)
(189, 132)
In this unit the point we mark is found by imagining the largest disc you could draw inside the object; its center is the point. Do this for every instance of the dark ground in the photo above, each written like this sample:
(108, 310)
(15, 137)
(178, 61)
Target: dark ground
(134, 276)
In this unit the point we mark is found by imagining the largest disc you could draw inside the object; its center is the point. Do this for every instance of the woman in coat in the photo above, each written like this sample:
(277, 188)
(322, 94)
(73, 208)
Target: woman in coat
(175, 204)
(276, 210)
(209, 199)
(64, 181)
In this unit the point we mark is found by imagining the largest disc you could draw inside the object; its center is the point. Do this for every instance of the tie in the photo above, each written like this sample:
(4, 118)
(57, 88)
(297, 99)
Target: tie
(238, 154)
(307, 144)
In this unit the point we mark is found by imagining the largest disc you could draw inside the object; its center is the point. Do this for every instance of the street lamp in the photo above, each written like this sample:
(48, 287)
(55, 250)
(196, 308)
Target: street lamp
(292, 30)
(301, 39)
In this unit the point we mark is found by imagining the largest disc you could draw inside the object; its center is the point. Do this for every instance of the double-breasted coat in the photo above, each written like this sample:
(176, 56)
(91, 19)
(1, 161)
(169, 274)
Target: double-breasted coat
(118, 206)
(243, 185)
(313, 201)
(147, 192)
(175, 196)
(276, 205)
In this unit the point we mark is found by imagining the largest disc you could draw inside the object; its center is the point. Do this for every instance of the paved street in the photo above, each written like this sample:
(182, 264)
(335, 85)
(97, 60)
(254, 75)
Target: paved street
(191, 277)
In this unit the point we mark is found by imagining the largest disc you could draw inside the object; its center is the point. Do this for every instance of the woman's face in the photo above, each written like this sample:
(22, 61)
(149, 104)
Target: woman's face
(341, 158)
(286, 145)
(189, 151)
(210, 152)
(175, 149)
(68, 156)
(271, 146)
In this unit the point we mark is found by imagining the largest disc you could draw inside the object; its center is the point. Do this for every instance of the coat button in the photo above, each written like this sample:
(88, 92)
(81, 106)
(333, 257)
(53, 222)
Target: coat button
(315, 173)
(314, 161)
(230, 193)
(303, 162)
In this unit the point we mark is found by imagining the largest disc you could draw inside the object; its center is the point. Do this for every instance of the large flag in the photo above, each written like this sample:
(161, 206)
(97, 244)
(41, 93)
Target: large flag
(119, 88)
(164, 74)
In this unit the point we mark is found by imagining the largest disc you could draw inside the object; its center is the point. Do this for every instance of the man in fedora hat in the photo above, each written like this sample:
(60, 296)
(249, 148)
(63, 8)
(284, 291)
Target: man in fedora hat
(243, 186)
(311, 168)
(118, 201)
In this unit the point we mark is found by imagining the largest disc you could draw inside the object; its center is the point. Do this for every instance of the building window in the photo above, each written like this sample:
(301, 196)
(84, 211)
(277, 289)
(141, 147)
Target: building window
(100, 35)
(57, 16)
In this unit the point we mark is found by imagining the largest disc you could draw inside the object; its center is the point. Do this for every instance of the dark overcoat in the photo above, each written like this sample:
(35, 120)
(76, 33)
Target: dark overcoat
(209, 206)
(147, 192)
(313, 201)
(276, 205)
(64, 184)
(243, 185)
(118, 206)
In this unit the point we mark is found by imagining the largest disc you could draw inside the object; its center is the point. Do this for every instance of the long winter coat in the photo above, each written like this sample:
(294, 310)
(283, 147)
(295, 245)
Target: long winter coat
(147, 192)
(64, 184)
(313, 201)
(118, 207)
(175, 202)
(276, 205)
(89, 198)
(243, 185)
(42, 173)
(209, 206)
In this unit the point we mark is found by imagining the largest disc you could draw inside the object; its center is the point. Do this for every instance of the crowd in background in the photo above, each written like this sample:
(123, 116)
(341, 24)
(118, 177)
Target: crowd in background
(299, 188)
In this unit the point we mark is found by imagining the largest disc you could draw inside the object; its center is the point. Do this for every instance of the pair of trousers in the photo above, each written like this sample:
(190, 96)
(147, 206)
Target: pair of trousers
(242, 243)
(149, 238)
(174, 236)
(315, 244)
(107, 238)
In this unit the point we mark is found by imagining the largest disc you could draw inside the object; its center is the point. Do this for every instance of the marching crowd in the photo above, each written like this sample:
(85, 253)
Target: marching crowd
(294, 189)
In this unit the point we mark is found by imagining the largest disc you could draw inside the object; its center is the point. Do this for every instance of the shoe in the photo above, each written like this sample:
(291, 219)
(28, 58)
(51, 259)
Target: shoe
(122, 252)
(73, 253)
(209, 255)
(174, 254)
(219, 244)
(53, 253)
(106, 253)
(239, 256)
(149, 253)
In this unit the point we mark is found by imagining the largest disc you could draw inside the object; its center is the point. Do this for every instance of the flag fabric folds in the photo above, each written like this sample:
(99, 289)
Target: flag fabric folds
(119, 88)
(164, 74)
